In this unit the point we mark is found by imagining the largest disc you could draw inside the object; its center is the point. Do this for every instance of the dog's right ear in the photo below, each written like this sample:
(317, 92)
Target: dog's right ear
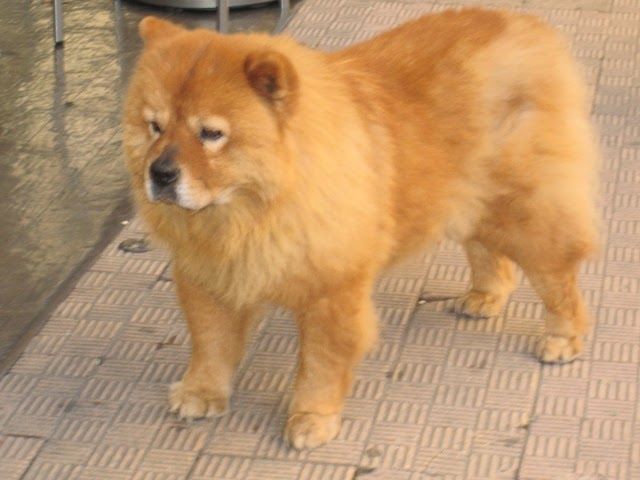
(273, 77)
(153, 29)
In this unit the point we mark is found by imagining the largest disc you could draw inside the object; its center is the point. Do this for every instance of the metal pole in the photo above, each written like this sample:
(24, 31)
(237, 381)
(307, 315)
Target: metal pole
(57, 21)
(223, 16)
(284, 16)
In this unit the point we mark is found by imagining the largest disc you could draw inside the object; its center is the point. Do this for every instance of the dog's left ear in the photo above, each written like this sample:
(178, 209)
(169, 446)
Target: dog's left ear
(273, 77)
(153, 29)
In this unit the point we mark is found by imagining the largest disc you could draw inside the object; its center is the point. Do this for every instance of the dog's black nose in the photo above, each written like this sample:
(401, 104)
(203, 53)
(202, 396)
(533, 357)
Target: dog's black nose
(164, 171)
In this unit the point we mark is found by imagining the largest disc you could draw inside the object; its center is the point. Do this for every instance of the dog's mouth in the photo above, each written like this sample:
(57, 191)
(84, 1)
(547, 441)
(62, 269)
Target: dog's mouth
(161, 193)
(164, 195)
(180, 194)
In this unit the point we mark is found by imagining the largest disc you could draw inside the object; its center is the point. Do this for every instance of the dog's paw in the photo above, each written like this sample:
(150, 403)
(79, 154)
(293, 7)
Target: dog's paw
(193, 404)
(479, 304)
(310, 430)
(557, 349)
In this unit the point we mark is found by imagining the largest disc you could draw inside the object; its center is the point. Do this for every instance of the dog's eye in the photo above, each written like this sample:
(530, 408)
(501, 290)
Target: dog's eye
(155, 129)
(207, 135)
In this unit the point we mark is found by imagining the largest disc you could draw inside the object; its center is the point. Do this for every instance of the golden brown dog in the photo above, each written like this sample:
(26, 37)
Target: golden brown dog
(280, 174)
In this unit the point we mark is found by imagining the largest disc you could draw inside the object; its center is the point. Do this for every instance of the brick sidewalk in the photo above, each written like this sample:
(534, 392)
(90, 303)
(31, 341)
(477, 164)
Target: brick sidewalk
(441, 397)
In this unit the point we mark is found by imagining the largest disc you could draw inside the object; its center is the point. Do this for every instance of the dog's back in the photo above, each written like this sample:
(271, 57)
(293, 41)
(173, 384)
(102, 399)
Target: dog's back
(481, 108)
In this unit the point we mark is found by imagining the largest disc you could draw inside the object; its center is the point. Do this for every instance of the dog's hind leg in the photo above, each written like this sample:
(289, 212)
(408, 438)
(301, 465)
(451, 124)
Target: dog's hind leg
(566, 320)
(492, 280)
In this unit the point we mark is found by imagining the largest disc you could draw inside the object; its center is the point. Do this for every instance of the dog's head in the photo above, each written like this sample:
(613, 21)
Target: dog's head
(205, 116)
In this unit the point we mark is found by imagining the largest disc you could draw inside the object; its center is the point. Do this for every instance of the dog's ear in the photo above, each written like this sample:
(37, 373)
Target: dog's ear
(152, 29)
(273, 77)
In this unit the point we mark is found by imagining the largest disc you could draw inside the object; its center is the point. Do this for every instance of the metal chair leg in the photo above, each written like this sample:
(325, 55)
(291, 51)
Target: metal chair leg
(57, 22)
(223, 16)
(285, 6)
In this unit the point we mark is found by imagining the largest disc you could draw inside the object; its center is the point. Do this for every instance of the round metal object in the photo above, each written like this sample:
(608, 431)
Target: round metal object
(135, 245)
(203, 4)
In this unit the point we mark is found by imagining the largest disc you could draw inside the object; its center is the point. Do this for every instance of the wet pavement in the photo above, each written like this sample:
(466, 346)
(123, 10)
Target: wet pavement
(63, 188)
(440, 397)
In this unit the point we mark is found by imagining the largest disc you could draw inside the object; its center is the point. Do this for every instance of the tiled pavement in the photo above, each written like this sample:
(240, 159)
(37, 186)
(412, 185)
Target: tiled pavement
(441, 397)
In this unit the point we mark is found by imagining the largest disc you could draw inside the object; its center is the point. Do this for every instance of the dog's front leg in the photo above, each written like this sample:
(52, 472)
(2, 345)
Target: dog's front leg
(218, 336)
(335, 332)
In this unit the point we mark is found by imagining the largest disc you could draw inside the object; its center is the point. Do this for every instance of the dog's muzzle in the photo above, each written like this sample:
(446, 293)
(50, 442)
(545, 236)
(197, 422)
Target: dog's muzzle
(164, 174)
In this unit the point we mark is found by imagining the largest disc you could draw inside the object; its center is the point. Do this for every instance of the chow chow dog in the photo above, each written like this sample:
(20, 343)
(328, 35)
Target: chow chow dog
(278, 174)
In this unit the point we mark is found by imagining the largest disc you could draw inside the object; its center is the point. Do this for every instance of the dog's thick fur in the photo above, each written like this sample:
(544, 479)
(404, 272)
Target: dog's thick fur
(470, 125)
